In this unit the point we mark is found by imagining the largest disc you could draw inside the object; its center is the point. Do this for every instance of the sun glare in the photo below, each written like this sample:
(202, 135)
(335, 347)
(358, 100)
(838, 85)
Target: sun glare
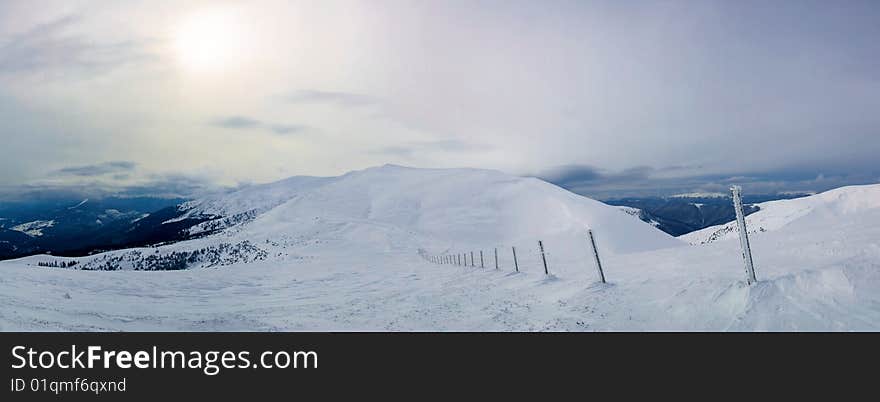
(210, 41)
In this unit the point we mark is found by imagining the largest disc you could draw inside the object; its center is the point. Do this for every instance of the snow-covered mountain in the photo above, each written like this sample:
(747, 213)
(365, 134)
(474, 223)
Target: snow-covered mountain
(345, 253)
(386, 208)
(833, 207)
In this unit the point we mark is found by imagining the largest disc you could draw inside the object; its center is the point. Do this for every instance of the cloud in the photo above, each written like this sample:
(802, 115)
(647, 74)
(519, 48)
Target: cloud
(237, 122)
(641, 181)
(170, 185)
(412, 149)
(116, 167)
(336, 98)
(247, 123)
(177, 185)
(283, 129)
(52, 47)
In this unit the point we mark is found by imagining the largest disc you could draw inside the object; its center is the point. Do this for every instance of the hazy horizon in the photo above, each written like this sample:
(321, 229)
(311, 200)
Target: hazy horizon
(607, 99)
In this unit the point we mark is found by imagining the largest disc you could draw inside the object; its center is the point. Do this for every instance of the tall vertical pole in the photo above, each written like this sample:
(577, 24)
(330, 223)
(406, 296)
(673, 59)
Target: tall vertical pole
(472, 259)
(496, 257)
(515, 264)
(743, 234)
(543, 258)
(481, 259)
(596, 255)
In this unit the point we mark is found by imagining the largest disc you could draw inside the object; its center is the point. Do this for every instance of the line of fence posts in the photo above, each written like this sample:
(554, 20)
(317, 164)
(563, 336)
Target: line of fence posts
(460, 259)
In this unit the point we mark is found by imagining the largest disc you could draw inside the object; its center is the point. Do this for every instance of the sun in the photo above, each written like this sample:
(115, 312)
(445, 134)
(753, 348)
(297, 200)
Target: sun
(211, 41)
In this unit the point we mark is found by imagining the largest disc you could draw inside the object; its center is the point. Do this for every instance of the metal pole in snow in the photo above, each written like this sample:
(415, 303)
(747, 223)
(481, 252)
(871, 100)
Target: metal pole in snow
(515, 264)
(743, 234)
(481, 259)
(496, 257)
(472, 259)
(596, 255)
(543, 258)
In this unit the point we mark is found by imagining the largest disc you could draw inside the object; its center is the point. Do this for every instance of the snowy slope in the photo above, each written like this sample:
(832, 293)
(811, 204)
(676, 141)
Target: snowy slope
(461, 208)
(838, 204)
(343, 254)
(388, 208)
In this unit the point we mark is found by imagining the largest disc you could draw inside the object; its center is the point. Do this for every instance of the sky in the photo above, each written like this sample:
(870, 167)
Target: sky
(606, 98)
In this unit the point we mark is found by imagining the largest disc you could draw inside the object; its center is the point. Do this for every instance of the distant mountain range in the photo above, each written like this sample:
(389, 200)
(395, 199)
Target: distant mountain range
(81, 226)
(684, 213)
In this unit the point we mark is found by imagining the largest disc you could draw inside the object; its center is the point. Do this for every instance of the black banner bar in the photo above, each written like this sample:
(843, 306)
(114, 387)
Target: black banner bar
(333, 365)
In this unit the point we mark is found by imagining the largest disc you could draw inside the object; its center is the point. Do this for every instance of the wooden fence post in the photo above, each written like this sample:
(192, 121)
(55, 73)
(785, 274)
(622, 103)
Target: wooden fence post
(496, 257)
(481, 259)
(515, 264)
(543, 258)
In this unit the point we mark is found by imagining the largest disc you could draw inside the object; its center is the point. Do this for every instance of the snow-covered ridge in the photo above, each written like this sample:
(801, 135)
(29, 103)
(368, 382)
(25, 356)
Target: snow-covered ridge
(395, 208)
(700, 195)
(79, 205)
(839, 203)
(35, 228)
(638, 213)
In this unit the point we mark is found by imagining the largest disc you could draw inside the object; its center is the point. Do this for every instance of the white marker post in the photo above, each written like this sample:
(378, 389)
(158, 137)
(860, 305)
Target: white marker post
(743, 234)
(596, 254)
